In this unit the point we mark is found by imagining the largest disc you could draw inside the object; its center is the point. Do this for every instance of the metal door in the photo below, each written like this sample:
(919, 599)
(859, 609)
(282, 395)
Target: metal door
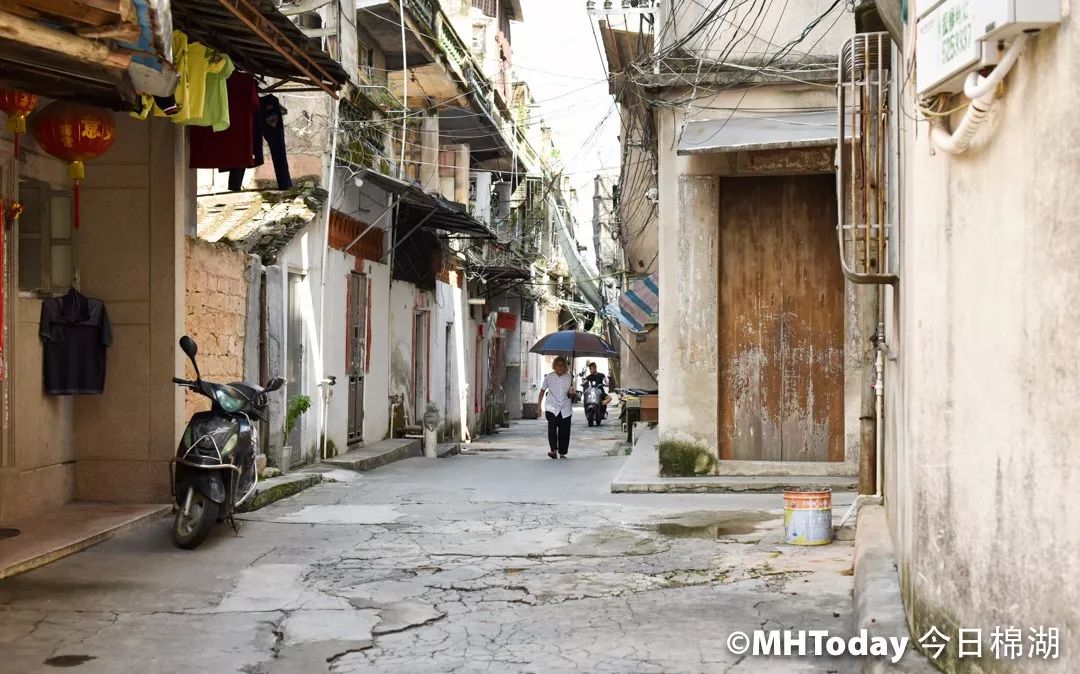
(294, 340)
(781, 320)
(357, 354)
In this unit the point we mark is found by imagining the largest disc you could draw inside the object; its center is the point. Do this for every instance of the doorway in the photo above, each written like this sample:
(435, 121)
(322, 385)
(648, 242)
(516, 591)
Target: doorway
(420, 366)
(294, 367)
(780, 320)
(451, 385)
(356, 311)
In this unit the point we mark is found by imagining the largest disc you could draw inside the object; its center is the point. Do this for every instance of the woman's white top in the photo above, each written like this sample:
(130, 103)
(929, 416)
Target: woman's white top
(556, 401)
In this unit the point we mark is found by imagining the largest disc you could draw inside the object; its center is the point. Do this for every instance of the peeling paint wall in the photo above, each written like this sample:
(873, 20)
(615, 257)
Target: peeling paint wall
(984, 457)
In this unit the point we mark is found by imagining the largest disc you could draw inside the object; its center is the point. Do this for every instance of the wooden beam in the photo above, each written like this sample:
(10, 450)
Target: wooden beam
(71, 11)
(126, 32)
(31, 33)
(264, 28)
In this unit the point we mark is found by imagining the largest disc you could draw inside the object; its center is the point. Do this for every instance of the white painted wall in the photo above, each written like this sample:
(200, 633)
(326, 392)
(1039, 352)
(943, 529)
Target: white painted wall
(304, 255)
(339, 266)
(377, 383)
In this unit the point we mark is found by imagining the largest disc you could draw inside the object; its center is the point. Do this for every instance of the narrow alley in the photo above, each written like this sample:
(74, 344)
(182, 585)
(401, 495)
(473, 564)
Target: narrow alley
(498, 560)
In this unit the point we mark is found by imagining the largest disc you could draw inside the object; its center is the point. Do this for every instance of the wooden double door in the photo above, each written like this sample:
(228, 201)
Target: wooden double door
(781, 320)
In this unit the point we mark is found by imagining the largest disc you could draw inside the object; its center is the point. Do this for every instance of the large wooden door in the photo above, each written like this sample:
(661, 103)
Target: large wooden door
(781, 320)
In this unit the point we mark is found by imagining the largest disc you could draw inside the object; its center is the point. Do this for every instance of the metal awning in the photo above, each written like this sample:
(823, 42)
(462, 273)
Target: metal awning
(772, 132)
(259, 39)
(88, 52)
(434, 211)
(499, 280)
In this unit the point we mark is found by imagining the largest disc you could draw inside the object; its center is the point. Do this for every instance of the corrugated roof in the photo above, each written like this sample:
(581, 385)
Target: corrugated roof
(260, 39)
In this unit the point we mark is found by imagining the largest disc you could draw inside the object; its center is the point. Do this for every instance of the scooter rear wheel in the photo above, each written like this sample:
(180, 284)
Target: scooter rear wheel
(189, 532)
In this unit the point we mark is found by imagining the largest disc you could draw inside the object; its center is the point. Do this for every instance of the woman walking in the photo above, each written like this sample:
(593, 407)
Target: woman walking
(558, 390)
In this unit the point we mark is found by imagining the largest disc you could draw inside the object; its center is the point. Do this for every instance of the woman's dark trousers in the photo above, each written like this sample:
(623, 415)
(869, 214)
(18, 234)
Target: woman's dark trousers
(558, 433)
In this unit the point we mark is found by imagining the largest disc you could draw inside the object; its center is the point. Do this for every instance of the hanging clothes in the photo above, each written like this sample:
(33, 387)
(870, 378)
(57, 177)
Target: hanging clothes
(75, 331)
(198, 98)
(232, 147)
(269, 125)
(216, 103)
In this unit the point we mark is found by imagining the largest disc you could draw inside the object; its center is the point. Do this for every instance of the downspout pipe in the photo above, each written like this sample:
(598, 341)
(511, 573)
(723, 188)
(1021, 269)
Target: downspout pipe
(982, 92)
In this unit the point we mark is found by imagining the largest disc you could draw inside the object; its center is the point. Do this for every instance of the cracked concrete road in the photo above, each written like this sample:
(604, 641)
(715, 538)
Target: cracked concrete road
(499, 560)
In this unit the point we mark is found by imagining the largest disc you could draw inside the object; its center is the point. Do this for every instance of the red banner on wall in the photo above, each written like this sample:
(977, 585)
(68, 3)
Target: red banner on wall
(506, 320)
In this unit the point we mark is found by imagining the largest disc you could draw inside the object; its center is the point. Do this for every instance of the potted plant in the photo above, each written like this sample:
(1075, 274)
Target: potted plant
(297, 406)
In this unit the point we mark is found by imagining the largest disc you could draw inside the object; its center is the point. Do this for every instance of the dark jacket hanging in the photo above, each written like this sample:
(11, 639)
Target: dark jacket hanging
(75, 332)
(269, 124)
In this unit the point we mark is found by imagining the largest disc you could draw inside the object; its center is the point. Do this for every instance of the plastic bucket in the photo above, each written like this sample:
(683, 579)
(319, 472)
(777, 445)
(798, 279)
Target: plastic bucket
(808, 517)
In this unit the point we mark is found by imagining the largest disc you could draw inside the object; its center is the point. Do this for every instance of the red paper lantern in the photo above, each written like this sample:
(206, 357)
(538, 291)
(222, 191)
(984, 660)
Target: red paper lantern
(17, 105)
(74, 133)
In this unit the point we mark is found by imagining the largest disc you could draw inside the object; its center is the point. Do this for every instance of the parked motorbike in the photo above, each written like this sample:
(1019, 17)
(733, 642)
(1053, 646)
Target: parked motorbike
(595, 408)
(214, 470)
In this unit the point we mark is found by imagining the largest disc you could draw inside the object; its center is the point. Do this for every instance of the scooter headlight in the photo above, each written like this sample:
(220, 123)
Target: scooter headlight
(227, 402)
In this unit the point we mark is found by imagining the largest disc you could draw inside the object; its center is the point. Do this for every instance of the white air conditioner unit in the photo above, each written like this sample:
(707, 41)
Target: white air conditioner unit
(955, 37)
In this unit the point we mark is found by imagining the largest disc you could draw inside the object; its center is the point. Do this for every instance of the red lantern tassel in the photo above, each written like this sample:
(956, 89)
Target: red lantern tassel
(16, 134)
(76, 191)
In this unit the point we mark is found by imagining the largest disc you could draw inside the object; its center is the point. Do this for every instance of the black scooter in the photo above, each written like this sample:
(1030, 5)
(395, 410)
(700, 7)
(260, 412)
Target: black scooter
(595, 408)
(214, 470)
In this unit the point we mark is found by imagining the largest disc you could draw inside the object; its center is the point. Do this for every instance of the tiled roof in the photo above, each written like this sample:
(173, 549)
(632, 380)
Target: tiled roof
(261, 223)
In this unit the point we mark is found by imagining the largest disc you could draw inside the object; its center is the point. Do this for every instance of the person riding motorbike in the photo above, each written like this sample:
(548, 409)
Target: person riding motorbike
(600, 380)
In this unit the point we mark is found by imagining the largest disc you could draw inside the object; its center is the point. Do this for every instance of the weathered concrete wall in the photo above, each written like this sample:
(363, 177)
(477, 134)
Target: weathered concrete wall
(756, 33)
(216, 313)
(989, 461)
(641, 232)
(275, 357)
(402, 312)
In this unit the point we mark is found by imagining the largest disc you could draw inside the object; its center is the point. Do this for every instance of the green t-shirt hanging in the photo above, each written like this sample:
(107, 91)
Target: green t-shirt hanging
(216, 100)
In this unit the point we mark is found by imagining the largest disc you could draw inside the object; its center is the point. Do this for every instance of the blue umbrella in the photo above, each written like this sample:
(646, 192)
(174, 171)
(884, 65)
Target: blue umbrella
(573, 343)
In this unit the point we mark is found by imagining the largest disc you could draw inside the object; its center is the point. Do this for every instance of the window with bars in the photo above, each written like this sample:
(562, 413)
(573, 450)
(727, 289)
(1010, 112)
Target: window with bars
(46, 255)
(528, 311)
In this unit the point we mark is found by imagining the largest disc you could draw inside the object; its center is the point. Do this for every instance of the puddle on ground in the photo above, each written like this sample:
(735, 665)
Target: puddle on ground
(705, 524)
(69, 660)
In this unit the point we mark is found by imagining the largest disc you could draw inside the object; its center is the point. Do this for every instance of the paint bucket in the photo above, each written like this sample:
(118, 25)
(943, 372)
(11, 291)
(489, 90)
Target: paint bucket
(808, 517)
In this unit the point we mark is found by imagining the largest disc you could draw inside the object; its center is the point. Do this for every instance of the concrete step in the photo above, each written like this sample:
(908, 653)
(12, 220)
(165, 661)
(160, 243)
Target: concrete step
(727, 484)
(47, 537)
(378, 454)
(277, 488)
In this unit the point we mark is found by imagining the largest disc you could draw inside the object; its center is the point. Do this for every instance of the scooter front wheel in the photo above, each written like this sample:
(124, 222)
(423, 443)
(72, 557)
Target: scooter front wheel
(190, 530)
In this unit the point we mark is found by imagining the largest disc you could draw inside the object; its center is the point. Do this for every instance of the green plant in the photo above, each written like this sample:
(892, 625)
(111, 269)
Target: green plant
(297, 406)
(684, 459)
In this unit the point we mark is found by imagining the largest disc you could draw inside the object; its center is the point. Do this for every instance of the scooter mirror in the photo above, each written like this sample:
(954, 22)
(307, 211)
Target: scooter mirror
(275, 384)
(188, 346)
